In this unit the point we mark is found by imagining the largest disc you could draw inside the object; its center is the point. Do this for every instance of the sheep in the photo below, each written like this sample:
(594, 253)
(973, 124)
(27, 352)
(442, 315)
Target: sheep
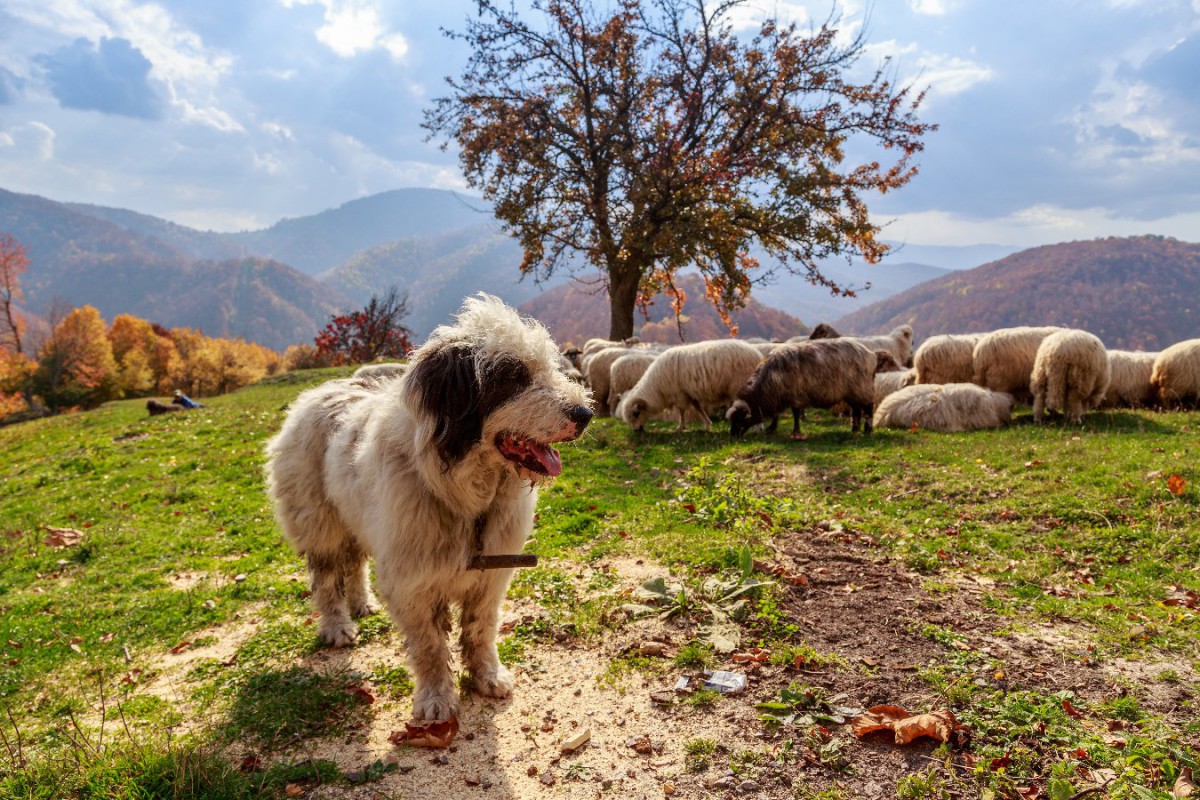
(899, 343)
(946, 358)
(1176, 375)
(625, 372)
(892, 380)
(765, 348)
(945, 407)
(1070, 373)
(1003, 359)
(823, 331)
(820, 374)
(596, 370)
(573, 355)
(690, 377)
(1130, 386)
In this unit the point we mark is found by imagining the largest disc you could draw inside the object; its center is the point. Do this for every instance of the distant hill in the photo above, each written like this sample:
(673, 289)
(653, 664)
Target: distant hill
(578, 311)
(1134, 293)
(321, 242)
(870, 282)
(437, 272)
(77, 258)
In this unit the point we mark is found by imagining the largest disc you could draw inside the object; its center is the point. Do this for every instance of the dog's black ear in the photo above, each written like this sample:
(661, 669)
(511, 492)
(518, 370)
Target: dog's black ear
(446, 384)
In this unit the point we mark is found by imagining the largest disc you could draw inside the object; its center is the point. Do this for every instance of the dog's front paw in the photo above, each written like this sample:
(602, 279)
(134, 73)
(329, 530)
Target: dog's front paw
(494, 681)
(338, 632)
(434, 704)
(365, 608)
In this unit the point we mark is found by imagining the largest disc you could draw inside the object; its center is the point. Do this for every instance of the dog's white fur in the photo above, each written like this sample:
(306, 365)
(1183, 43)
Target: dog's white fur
(405, 469)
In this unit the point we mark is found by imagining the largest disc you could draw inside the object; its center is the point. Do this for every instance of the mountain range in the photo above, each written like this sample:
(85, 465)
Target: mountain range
(278, 286)
(1138, 293)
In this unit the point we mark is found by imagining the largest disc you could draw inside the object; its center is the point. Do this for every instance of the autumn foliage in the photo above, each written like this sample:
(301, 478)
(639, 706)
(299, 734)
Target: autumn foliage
(374, 331)
(642, 137)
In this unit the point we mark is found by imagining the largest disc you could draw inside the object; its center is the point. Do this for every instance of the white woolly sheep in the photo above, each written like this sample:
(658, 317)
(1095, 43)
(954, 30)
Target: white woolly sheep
(382, 371)
(625, 372)
(690, 378)
(899, 343)
(596, 370)
(1003, 359)
(891, 381)
(765, 348)
(946, 358)
(1070, 374)
(948, 407)
(817, 374)
(1130, 385)
(1176, 375)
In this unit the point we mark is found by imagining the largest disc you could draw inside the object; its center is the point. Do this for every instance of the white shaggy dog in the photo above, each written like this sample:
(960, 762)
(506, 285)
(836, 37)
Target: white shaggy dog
(425, 472)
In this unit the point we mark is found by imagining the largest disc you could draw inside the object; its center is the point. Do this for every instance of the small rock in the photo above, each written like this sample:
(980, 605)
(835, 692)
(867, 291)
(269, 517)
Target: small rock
(532, 770)
(473, 780)
(725, 782)
(658, 745)
(547, 779)
(642, 746)
(746, 787)
(441, 760)
(668, 789)
(356, 776)
(577, 741)
(485, 784)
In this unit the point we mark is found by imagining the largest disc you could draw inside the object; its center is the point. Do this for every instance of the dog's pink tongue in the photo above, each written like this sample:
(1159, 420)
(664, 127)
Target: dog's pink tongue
(549, 459)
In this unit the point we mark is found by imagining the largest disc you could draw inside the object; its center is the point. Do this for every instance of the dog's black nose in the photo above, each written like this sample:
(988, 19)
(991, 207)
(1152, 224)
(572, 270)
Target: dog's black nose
(581, 416)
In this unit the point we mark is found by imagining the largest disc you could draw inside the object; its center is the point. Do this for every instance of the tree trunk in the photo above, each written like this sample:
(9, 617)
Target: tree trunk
(622, 297)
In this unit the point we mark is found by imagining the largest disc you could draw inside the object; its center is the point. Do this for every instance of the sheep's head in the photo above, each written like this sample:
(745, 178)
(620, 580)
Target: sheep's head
(633, 411)
(742, 417)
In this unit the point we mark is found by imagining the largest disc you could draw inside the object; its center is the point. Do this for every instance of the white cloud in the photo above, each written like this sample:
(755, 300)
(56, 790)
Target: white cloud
(944, 74)
(191, 71)
(933, 8)
(1033, 226)
(354, 26)
(33, 140)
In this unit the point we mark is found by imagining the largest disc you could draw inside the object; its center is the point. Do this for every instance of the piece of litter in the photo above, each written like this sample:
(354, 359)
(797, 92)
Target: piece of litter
(725, 682)
(577, 741)
(681, 685)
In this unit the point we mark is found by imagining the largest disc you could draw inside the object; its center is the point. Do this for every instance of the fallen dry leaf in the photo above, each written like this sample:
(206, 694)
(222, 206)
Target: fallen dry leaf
(361, 693)
(906, 727)
(179, 648)
(62, 537)
(754, 655)
(437, 734)
(1180, 596)
(1176, 484)
(1184, 786)
(1071, 710)
(293, 790)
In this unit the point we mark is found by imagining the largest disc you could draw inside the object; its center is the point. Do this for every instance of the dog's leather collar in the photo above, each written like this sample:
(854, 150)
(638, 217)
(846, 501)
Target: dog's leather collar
(481, 562)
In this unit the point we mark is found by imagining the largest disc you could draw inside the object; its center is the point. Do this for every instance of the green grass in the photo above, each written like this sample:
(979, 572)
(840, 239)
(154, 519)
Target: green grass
(1072, 525)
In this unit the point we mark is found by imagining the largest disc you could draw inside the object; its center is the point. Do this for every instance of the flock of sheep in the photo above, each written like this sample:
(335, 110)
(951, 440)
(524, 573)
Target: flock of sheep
(953, 382)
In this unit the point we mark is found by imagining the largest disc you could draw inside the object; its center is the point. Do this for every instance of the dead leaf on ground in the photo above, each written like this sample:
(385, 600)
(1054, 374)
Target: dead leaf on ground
(293, 790)
(1176, 484)
(906, 727)
(1180, 596)
(59, 538)
(753, 655)
(1184, 786)
(437, 734)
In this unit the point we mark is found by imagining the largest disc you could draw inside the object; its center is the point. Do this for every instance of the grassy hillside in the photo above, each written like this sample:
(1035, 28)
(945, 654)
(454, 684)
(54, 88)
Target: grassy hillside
(1035, 580)
(1134, 293)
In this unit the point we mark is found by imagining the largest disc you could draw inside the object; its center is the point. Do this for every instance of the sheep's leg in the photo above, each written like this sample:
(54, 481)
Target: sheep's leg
(855, 418)
(1039, 405)
(797, 413)
(703, 414)
(869, 418)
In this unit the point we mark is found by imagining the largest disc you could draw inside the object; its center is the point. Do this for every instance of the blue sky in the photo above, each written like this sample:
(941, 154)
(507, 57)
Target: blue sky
(1059, 119)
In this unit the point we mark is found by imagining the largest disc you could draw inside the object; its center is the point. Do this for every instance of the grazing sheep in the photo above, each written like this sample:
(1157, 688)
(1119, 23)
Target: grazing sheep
(949, 407)
(625, 372)
(1130, 385)
(572, 354)
(899, 343)
(690, 377)
(817, 374)
(1003, 359)
(1176, 376)
(1070, 374)
(946, 358)
(890, 381)
(765, 348)
(596, 370)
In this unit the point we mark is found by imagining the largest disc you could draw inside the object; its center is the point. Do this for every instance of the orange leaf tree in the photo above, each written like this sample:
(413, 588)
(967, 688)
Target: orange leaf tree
(644, 136)
(76, 365)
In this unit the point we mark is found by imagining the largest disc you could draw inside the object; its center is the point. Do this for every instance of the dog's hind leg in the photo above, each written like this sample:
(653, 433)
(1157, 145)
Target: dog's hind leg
(425, 627)
(480, 621)
(356, 578)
